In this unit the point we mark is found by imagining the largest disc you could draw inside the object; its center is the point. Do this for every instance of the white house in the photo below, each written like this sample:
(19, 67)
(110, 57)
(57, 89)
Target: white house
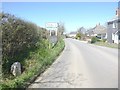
(116, 37)
(82, 30)
(90, 32)
(113, 32)
(72, 35)
(98, 31)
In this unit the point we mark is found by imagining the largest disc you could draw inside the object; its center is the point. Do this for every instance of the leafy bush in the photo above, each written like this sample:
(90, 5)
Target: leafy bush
(94, 39)
(78, 36)
(39, 61)
(104, 40)
(27, 43)
(18, 37)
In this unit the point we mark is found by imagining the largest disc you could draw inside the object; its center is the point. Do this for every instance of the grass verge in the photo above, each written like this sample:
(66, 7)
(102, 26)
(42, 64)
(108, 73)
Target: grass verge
(111, 45)
(37, 63)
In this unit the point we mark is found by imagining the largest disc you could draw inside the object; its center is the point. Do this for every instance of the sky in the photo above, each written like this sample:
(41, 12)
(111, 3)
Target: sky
(73, 14)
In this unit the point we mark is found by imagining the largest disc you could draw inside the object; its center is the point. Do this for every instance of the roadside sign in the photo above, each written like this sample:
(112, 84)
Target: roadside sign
(51, 25)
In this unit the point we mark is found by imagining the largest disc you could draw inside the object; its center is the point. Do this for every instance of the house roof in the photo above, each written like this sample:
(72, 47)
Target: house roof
(117, 32)
(90, 31)
(99, 29)
(114, 30)
(82, 30)
(72, 32)
(114, 19)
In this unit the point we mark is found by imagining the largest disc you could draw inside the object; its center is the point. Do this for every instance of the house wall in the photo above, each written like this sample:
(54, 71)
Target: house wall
(72, 35)
(111, 36)
(109, 32)
(83, 30)
(116, 39)
(103, 36)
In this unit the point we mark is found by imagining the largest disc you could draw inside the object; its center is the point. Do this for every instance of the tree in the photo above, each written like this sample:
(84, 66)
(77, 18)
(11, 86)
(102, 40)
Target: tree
(61, 28)
(78, 36)
(18, 36)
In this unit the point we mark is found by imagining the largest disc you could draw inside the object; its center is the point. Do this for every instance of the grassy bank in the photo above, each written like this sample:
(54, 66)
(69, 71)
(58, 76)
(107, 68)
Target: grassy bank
(99, 42)
(36, 63)
(111, 45)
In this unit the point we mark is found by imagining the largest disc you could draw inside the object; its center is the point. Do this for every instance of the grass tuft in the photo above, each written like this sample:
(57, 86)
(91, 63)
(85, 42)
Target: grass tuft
(35, 64)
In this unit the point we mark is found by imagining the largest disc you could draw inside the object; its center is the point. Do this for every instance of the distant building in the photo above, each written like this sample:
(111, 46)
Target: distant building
(98, 31)
(90, 32)
(72, 34)
(113, 29)
(82, 30)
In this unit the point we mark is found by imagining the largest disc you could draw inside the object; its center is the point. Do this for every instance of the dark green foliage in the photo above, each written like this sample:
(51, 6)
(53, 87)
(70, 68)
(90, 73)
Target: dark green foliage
(78, 36)
(94, 39)
(35, 65)
(18, 38)
(104, 40)
(27, 43)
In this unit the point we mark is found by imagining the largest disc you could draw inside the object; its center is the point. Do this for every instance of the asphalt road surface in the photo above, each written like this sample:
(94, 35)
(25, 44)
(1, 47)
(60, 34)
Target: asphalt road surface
(81, 65)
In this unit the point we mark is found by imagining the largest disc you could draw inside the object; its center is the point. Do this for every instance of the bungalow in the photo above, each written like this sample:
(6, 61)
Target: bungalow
(113, 29)
(72, 34)
(98, 31)
(90, 32)
(82, 30)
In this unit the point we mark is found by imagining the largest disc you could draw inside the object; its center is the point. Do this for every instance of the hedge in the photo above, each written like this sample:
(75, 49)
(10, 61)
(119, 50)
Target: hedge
(18, 37)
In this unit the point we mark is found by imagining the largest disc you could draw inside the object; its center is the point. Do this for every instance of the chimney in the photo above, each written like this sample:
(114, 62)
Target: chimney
(118, 12)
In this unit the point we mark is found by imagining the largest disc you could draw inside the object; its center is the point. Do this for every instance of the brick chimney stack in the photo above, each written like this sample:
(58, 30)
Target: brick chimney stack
(118, 12)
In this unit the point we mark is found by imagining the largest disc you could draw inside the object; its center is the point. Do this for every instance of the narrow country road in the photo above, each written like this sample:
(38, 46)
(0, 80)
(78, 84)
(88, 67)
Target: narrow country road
(81, 65)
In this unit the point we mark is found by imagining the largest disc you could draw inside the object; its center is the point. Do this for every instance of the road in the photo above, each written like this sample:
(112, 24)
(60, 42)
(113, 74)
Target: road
(81, 65)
